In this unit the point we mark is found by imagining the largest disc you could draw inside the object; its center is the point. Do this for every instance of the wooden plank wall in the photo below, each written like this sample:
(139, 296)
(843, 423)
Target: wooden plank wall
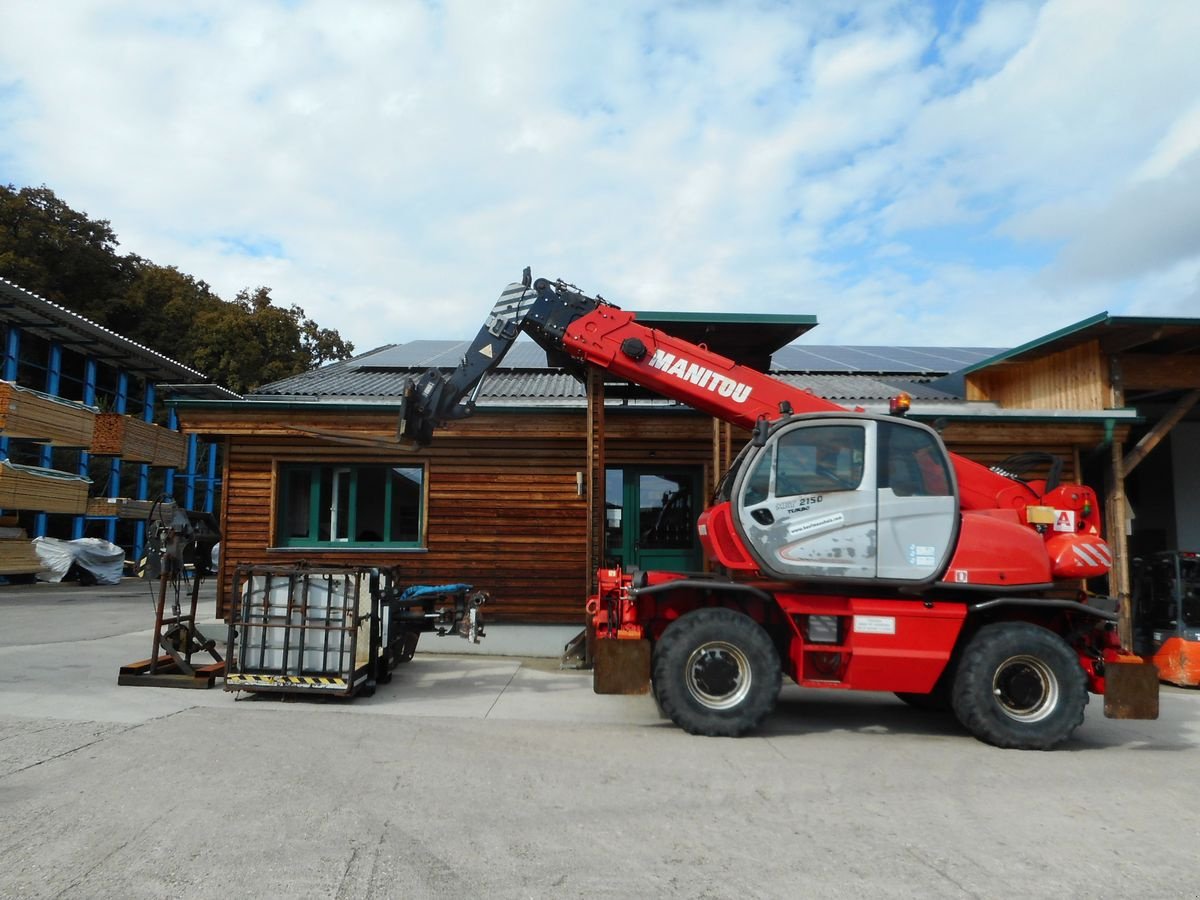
(504, 511)
(1073, 378)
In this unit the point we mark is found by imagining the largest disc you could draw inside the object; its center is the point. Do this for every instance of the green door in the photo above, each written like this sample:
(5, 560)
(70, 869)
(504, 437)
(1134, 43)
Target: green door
(650, 518)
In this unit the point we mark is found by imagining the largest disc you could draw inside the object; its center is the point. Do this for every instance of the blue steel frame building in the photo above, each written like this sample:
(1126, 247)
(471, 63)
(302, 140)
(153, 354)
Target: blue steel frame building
(50, 349)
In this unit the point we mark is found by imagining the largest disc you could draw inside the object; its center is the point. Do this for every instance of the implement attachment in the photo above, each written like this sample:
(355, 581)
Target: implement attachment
(1131, 689)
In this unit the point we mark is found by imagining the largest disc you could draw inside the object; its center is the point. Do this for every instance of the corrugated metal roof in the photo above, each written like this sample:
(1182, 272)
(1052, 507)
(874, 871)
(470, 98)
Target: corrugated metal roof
(423, 355)
(551, 388)
(850, 375)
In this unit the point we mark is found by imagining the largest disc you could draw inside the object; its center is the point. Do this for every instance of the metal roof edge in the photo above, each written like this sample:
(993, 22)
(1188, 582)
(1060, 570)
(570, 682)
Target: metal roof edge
(282, 403)
(1075, 416)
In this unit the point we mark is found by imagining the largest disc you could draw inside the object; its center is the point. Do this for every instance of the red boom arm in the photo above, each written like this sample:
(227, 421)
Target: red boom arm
(612, 339)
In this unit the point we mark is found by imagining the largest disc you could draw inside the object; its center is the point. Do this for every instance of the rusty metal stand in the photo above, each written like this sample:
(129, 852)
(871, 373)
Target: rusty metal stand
(178, 635)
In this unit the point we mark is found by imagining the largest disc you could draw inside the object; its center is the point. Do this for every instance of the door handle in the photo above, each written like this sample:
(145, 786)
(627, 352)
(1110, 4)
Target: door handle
(763, 517)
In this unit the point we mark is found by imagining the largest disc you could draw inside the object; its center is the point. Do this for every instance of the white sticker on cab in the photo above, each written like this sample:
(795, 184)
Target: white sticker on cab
(875, 624)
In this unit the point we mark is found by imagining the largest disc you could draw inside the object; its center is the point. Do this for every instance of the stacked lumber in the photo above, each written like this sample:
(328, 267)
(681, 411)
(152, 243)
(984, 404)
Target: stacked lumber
(17, 556)
(44, 490)
(39, 417)
(138, 441)
(125, 508)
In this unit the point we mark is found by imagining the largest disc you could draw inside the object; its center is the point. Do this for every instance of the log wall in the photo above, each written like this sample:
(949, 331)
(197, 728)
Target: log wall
(504, 511)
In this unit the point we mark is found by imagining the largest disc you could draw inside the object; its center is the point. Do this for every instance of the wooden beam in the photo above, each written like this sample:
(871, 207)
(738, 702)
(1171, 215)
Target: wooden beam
(1118, 576)
(1143, 372)
(1161, 429)
(596, 488)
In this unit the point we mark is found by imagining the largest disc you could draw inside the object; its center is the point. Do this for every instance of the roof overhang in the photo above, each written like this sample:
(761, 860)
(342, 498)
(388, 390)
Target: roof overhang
(747, 338)
(1115, 334)
(52, 322)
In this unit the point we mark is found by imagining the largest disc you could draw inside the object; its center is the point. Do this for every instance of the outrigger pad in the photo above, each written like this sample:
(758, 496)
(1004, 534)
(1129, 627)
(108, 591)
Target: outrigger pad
(1131, 690)
(621, 666)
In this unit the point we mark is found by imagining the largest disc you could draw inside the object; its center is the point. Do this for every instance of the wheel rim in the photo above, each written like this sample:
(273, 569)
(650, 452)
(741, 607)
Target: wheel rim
(1025, 688)
(718, 675)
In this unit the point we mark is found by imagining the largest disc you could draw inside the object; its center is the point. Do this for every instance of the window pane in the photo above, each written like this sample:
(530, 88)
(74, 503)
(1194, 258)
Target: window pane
(614, 505)
(911, 462)
(406, 504)
(340, 523)
(665, 513)
(758, 485)
(369, 508)
(370, 504)
(819, 459)
(297, 516)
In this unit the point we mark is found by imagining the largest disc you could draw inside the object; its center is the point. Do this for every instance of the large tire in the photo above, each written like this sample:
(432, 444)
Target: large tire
(1019, 686)
(716, 672)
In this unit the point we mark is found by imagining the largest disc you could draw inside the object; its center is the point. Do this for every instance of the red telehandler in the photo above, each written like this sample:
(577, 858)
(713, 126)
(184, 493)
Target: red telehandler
(851, 550)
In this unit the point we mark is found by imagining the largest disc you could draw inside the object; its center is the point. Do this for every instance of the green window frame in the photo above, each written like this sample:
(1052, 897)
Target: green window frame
(340, 505)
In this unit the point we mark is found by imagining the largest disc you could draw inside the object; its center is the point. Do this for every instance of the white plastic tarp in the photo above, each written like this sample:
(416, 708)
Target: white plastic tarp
(104, 560)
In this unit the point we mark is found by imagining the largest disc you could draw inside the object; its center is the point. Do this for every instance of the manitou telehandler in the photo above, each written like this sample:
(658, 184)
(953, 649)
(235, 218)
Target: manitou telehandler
(853, 551)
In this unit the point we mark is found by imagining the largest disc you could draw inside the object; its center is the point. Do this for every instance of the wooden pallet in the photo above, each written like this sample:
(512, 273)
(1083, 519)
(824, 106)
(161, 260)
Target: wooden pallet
(164, 671)
(43, 490)
(138, 441)
(39, 417)
(17, 557)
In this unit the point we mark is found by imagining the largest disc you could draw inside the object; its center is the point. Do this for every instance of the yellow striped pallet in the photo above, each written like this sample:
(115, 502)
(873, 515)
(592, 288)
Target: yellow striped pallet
(244, 681)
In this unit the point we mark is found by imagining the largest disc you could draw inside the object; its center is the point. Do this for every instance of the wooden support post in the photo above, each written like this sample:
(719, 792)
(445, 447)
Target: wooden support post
(1118, 576)
(596, 489)
(595, 478)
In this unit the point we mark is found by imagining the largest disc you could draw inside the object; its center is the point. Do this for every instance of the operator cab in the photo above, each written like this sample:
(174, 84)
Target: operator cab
(852, 497)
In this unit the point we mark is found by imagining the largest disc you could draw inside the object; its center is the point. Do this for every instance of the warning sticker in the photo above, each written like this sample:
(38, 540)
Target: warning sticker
(1064, 520)
(875, 624)
(920, 555)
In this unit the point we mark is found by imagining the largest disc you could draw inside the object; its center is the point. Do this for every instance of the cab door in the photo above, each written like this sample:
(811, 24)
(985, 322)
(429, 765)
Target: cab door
(918, 511)
(807, 505)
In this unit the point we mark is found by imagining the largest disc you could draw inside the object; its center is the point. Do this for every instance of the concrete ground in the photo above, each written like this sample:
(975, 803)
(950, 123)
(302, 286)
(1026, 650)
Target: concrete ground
(473, 776)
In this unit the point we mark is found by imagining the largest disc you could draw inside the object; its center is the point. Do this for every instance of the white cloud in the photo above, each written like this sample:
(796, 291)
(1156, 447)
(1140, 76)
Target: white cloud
(409, 159)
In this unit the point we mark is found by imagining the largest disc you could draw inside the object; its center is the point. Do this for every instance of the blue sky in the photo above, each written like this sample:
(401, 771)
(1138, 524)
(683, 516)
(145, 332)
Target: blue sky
(974, 173)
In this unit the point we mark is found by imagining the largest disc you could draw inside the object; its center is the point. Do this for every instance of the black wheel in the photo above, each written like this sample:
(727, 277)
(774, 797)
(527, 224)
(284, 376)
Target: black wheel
(1019, 686)
(716, 672)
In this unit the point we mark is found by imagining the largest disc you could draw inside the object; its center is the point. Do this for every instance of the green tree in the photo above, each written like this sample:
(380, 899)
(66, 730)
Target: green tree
(60, 254)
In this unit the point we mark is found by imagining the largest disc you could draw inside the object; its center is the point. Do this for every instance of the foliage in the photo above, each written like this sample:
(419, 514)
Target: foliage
(64, 256)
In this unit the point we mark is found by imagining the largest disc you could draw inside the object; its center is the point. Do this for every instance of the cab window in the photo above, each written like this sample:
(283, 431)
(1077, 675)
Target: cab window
(819, 459)
(911, 462)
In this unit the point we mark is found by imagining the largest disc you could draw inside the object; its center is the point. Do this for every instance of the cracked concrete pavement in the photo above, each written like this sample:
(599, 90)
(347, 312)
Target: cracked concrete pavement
(503, 777)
